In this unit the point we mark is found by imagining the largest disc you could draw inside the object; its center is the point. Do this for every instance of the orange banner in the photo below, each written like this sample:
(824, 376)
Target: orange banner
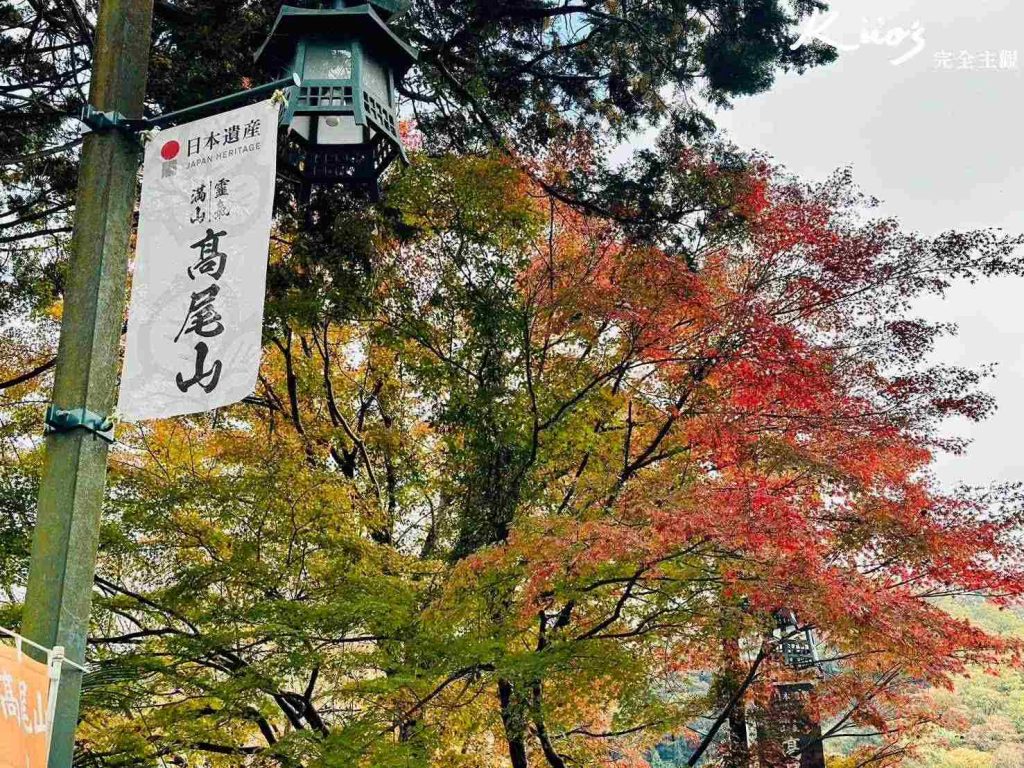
(24, 710)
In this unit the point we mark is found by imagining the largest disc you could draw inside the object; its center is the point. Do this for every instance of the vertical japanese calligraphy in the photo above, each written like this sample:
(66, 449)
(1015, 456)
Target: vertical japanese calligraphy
(202, 318)
(788, 731)
(195, 321)
(24, 710)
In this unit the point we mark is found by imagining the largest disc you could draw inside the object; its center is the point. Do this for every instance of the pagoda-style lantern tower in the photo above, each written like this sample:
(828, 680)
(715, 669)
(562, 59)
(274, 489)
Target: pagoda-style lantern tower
(797, 645)
(789, 728)
(342, 118)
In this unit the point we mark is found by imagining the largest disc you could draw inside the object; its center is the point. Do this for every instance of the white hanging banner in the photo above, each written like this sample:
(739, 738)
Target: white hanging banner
(196, 315)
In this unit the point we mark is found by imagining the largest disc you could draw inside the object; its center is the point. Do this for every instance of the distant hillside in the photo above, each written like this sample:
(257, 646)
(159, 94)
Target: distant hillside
(990, 707)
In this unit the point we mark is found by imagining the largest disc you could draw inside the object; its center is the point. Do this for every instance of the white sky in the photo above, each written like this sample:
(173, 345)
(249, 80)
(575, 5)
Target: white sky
(942, 149)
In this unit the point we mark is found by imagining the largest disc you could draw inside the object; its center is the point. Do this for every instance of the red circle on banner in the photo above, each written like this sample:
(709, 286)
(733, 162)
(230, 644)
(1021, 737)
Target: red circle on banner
(170, 150)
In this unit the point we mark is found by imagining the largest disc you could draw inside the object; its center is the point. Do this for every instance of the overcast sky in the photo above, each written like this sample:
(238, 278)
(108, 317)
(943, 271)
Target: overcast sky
(942, 148)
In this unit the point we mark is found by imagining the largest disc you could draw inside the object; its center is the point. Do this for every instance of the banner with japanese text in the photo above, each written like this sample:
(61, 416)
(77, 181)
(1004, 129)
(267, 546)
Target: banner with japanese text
(789, 734)
(196, 314)
(24, 710)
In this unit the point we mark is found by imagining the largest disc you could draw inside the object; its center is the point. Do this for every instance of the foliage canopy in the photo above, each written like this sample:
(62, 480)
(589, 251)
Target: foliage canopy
(541, 443)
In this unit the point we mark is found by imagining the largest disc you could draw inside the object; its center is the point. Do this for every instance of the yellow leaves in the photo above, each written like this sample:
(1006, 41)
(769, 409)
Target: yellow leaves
(55, 311)
(962, 758)
(485, 199)
(850, 761)
(105, 733)
(24, 348)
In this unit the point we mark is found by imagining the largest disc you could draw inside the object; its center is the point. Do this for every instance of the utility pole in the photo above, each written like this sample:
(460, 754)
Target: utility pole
(74, 474)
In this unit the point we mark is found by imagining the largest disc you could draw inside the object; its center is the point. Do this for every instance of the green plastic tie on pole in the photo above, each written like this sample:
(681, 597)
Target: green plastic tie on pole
(103, 121)
(59, 420)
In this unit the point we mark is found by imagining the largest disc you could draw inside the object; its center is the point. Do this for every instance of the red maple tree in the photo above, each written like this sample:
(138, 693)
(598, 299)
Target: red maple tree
(747, 426)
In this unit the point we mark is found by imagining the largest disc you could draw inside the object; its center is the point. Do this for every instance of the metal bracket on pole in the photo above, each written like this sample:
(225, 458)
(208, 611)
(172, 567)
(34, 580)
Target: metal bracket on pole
(53, 654)
(114, 121)
(59, 420)
(106, 121)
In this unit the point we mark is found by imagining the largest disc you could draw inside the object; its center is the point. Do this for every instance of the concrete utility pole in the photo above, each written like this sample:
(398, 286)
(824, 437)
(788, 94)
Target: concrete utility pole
(71, 495)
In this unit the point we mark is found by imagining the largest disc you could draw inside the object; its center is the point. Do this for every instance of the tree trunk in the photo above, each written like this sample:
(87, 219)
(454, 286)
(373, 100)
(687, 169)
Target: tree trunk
(512, 716)
(738, 755)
